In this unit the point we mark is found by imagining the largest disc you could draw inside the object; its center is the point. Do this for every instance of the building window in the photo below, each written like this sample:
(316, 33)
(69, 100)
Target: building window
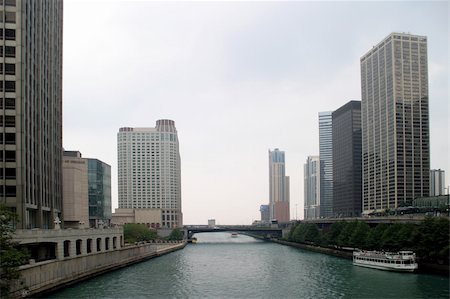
(7, 69)
(9, 121)
(10, 17)
(10, 34)
(10, 103)
(8, 51)
(66, 248)
(8, 2)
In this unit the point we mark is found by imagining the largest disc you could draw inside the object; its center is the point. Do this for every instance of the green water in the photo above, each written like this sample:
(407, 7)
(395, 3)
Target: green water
(219, 266)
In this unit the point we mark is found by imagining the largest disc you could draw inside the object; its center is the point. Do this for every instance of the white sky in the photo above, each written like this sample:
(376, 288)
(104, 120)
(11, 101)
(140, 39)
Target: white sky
(238, 78)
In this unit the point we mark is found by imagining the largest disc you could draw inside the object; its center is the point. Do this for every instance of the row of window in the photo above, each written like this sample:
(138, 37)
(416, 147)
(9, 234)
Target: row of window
(10, 86)
(7, 69)
(7, 121)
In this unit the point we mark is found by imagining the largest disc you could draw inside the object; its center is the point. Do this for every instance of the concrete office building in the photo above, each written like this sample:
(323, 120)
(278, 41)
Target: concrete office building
(437, 182)
(87, 191)
(326, 163)
(395, 122)
(311, 187)
(75, 190)
(278, 187)
(149, 172)
(347, 166)
(31, 111)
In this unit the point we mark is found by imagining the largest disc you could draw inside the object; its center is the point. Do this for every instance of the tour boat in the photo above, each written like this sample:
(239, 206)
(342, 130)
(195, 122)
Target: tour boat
(402, 261)
(234, 235)
(194, 240)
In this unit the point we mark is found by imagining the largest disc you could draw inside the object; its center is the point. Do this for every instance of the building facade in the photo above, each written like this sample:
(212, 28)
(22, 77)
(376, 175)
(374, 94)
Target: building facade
(149, 171)
(311, 187)
(31, 111)
(326, 163)
(87, 191)
(347, 166)
(437, 182)
(395, 122)
(278, 187)
(75, 190)
(99, 189)
(265, 213)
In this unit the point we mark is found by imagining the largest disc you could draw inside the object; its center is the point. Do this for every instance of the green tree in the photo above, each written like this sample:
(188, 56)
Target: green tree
(346, 234)
(10, 257)
(133, 232)
(332, 235)
(373, 241)
(175, 235)
(358, 239)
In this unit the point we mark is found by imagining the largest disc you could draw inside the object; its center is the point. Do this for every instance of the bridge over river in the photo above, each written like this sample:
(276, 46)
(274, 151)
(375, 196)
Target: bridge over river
(264, 232)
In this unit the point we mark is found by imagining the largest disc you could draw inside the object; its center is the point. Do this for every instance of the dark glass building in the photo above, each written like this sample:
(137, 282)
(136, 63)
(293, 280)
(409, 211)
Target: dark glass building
(347, 167)
(99, 182)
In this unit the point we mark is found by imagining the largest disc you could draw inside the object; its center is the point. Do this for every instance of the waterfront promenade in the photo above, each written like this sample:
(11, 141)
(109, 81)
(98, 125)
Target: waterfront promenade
(50, 275)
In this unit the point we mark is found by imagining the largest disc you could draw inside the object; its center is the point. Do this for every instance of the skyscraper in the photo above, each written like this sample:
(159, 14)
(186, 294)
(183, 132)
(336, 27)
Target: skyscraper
(347, 172)
(395, 124)
(31, 110)
(278, 187)
(149, 171)
(311, 187)
(326, 163)
(437, 182)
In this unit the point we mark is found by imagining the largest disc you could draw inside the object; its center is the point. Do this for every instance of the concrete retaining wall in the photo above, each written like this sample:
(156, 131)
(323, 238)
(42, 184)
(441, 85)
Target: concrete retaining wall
(50, 275)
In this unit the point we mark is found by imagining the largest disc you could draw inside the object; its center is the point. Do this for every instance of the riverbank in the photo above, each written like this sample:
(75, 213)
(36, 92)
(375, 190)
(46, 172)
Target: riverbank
(436, 269)
(48, 276)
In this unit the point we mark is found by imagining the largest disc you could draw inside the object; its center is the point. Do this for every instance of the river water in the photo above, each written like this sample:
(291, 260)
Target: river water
(220, 266)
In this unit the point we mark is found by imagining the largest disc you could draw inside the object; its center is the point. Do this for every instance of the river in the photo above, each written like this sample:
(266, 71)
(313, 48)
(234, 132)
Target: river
(220, 266)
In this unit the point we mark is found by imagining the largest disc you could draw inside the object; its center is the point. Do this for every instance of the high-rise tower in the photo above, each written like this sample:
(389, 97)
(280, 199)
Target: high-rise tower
(311, 186)
(149, 170)
(395, 124)
(347, 165)
(278, 187)
(31, 110)
(326, 163)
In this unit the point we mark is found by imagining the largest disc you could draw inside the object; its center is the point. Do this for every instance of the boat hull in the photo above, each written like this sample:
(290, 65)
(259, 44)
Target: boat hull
(386, 268)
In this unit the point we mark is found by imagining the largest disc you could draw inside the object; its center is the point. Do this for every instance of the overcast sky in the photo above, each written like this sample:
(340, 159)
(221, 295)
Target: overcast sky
(238, 79)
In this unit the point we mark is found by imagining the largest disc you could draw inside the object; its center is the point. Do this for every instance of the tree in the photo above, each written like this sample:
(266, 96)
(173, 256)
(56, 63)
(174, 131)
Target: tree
(359, 236)
(10, 257)
(175, 235)
(373, 241)
(346, 233)
(133, 232)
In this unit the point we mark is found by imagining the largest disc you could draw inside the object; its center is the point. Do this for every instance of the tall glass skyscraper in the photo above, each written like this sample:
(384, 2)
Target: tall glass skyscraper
(278, 187)
(326, 163)
(149, 170)
(395, 123)
(347, 172)
(311, 187)
(31, 110)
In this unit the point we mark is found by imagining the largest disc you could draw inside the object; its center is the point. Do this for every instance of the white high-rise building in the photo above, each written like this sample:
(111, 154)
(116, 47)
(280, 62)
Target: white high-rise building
(437, 182)
(326, 163)
(312, 187)
(149, 172)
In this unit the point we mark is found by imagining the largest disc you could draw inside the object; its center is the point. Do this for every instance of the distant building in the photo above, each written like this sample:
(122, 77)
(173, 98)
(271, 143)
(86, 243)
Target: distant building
(149, 172)
(75, 190)
(99, 179)
(395, 122)
(265, 213)
(152, 218)
(278, 187)
(211, 222)
(347, 166)
(31, 111)
(87, 191)
(311, 187)
(437, 182)
(326, 163)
